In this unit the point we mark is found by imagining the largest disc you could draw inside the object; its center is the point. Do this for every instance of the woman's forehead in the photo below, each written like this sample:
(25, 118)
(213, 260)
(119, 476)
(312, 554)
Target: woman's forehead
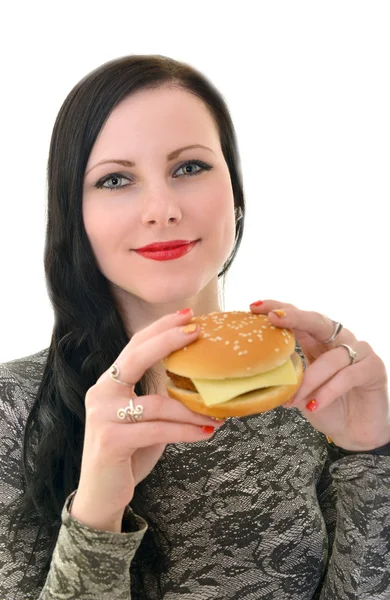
(154, 122)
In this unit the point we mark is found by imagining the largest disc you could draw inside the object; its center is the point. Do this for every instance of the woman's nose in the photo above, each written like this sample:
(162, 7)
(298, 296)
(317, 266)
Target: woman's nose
(162, 211)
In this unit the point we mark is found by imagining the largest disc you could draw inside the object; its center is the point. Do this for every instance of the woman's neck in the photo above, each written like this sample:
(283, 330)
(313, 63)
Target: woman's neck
(138, 314)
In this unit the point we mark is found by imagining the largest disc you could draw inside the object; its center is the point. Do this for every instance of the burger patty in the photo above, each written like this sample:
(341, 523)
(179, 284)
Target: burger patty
(182, 382)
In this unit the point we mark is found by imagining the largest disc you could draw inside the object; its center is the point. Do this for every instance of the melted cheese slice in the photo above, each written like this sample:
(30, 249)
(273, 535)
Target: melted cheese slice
(218, 391)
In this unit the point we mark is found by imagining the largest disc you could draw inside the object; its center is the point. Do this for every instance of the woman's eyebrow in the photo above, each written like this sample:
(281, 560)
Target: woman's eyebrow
(170, 156)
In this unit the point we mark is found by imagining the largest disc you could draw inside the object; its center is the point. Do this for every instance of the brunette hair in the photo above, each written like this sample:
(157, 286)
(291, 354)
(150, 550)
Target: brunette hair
(89, 332)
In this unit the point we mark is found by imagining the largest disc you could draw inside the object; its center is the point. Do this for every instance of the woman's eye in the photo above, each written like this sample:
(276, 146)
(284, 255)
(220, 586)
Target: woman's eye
(113, 178)
(188, 168)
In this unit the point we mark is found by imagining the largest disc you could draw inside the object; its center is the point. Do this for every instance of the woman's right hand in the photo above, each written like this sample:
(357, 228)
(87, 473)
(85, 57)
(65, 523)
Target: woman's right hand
(117, 454)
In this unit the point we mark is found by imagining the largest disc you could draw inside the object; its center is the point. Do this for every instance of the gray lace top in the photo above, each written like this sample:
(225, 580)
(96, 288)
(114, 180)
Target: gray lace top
(256, 512)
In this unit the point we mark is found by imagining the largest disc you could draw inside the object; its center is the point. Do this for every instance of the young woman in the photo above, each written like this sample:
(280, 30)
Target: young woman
(168, 503)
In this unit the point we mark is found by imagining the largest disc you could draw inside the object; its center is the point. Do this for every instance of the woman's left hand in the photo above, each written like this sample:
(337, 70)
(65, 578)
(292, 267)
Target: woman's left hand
(347, 402)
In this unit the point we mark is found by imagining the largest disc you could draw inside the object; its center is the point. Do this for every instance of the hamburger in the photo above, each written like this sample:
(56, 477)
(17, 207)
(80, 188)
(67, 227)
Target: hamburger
(239, 365)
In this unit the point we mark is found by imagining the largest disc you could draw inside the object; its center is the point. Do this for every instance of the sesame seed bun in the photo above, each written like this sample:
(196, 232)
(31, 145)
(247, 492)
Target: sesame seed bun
(233, 345)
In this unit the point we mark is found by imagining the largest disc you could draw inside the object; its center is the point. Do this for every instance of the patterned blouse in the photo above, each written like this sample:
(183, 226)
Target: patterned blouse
(256, 512)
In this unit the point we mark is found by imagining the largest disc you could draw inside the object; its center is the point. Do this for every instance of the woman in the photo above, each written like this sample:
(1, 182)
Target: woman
(169, 503)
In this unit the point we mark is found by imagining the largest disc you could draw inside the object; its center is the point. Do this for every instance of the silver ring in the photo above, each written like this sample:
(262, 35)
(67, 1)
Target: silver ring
(114, 372)
(337, 328)
(352, 354)
(131, 413)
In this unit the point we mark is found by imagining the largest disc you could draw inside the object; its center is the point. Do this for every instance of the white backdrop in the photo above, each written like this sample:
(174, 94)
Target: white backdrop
(307, 84)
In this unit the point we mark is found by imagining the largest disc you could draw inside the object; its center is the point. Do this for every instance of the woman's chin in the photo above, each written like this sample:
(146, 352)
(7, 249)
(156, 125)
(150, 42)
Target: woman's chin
(175, 295)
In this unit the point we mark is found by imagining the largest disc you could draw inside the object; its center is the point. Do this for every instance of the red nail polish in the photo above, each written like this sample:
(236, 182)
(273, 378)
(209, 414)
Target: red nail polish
(184, 311)
(207, 429)
(258, 303)
(312, 405)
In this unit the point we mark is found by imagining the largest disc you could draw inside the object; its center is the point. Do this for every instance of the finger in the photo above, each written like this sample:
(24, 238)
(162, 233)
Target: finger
(137, 358)
(263, 307)
(166, 322)
(171, 433)
(163, 324)
(345, 380)
(326, 368)
(122, 441)
(153, 408)
(319, 326)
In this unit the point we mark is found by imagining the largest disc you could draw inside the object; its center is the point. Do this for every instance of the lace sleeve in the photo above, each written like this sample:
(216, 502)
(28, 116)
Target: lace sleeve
(86, 563)
(354, 494)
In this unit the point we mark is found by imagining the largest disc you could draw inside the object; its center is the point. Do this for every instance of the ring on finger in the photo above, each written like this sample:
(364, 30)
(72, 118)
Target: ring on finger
(337, 328)
(131, 413)
(114, 372)
(352, 353)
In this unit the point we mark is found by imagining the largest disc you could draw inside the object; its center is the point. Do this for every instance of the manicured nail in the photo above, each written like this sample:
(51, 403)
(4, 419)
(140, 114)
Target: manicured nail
(258, 303)
(207, 429)
(279, 312)
(218, 422)
(189, 328)
(312, 405)
(184, 311)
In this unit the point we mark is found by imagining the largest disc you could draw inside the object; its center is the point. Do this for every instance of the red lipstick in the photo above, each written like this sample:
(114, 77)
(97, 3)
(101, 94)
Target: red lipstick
(166, 250)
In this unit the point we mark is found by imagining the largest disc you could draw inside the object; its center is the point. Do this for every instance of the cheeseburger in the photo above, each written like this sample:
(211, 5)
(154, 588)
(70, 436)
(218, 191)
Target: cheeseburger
(239, 365)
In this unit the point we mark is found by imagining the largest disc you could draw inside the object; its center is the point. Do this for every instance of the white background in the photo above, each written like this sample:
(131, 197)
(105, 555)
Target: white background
(307, 84)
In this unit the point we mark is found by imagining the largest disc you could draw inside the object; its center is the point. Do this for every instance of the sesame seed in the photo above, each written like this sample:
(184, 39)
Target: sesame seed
(277, 349)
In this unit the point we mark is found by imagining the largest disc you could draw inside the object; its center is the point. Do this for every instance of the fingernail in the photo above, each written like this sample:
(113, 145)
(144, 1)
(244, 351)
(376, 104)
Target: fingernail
(312, 405)
(279, 312)
(189, 328)
(207, 429)
(258, 303)
(184, 311)
(218, 422)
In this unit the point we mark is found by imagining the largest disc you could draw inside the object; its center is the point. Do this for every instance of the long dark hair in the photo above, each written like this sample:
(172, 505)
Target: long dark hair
(89, 332)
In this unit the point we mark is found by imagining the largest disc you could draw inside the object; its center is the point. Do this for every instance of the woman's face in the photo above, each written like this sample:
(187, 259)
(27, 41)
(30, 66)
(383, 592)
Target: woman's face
(126, 207)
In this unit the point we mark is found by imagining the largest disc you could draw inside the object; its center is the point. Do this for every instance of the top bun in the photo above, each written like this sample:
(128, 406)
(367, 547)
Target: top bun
(232, 344)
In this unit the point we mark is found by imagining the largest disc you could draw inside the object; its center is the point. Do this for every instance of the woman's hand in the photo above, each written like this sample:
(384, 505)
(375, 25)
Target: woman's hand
(118, 454)
(347, 402)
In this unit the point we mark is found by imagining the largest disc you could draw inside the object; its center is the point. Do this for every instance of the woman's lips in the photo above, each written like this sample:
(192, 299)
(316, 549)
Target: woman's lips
(168, 253)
